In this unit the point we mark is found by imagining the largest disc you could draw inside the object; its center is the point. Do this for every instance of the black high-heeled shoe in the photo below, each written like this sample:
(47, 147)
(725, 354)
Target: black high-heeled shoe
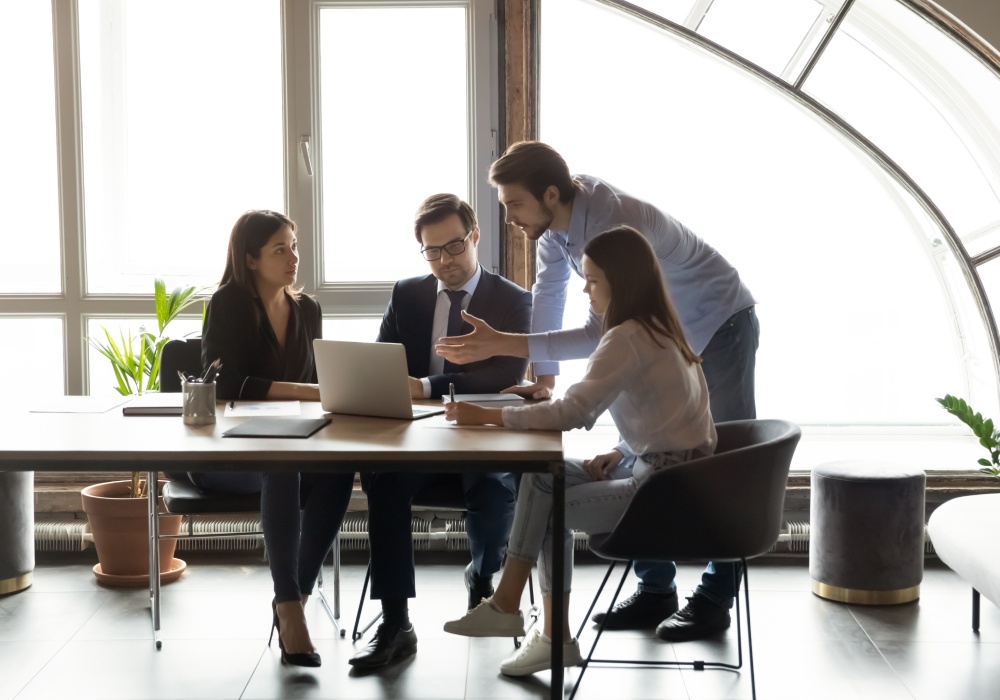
(306, 658)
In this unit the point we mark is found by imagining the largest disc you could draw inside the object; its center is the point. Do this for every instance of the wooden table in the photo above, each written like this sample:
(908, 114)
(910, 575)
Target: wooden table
(111, 441)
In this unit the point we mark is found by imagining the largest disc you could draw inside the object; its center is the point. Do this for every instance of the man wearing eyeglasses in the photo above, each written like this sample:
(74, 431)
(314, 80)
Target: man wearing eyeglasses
(421, 310)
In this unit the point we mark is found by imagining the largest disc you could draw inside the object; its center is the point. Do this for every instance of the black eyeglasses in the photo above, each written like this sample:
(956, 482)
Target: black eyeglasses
(433, 252)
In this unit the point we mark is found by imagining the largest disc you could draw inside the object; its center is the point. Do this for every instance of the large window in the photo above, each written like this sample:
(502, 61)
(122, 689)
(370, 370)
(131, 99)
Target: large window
(143, 131)
(403, 140)
(29, 188)
(388, 103)
(182, 133)
(836, 199)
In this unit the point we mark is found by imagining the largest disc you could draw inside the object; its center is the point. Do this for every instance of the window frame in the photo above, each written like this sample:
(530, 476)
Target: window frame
(299, 29)
(303, 135)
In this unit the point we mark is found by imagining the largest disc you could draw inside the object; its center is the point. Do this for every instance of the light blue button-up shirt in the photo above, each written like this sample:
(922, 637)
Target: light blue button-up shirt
(705, 289)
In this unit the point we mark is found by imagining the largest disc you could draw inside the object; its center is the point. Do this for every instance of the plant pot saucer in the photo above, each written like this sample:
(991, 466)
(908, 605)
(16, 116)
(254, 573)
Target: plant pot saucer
(177, 567)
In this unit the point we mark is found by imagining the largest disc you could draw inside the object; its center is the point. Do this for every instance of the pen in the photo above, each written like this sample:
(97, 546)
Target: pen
(451, 391)
(213, 369)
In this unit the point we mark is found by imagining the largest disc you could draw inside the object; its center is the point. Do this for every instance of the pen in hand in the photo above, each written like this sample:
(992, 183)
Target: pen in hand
(451, 391)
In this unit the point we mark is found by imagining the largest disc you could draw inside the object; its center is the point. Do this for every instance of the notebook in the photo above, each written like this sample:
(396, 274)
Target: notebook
(156, 404)
(366, 379)
(277, 427)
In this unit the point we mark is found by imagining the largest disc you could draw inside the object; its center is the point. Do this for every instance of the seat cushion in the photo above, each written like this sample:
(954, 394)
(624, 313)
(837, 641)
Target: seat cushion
(184, 498)
(964, 533)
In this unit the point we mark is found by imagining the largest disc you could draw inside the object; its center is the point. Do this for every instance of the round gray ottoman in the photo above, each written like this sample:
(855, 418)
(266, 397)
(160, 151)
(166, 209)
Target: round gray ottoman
(866, 532)
(17, 530)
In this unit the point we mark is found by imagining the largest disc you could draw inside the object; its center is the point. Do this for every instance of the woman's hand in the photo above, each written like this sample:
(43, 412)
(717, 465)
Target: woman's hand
(598, 467)
(465, 413)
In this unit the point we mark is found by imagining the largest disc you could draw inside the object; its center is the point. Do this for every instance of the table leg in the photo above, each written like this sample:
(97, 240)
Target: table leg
(558, 470)
(152, 495)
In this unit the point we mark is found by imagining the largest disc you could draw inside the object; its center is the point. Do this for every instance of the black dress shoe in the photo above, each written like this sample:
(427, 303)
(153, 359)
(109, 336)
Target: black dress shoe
(640, 611)
(474, 585)
(389, 643)
(699, 619)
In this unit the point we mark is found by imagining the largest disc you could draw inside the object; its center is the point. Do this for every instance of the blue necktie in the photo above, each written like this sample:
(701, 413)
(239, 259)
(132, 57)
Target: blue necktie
(454, 323)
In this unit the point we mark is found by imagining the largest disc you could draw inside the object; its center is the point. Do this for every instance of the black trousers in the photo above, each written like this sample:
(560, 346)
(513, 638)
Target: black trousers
(489, 505)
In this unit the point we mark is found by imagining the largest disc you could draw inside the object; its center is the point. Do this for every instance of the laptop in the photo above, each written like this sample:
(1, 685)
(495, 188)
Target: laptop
(366, 379)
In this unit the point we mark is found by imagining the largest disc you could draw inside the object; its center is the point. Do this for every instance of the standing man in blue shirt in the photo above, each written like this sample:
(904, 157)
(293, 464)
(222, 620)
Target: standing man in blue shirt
(562, 212)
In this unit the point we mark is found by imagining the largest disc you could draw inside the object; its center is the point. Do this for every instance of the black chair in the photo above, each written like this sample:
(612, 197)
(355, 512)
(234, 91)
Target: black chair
(445, 494)
(725, 508)
(182, 497)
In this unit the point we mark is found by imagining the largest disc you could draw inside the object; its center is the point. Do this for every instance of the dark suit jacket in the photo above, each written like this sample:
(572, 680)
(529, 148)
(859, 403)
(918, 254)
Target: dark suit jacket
(499, 302)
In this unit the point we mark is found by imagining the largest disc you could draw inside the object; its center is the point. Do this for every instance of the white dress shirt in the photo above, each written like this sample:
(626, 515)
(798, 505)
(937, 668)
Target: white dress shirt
(439, 327)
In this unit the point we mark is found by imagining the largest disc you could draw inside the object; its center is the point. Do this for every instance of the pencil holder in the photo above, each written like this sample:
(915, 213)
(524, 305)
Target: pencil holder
(199, 403)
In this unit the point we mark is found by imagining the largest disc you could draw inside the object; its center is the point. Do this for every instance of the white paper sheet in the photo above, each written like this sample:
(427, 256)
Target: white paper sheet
(263, 408)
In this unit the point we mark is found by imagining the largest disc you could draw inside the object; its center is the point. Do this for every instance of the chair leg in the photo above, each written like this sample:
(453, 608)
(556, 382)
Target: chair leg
(356, 635)
(600, 589)
(532, 612)
(746, 595)
(975, 611)
(600, 626)
(334, 613)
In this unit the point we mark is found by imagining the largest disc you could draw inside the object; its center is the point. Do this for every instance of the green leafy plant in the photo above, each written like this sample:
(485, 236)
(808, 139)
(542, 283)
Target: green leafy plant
(136, 359)
(989, 436)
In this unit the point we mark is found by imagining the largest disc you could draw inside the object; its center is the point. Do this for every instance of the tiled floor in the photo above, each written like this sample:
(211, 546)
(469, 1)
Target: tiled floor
(67, 637)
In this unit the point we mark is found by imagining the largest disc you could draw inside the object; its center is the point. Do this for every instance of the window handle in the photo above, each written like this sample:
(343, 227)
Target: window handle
(306, 157)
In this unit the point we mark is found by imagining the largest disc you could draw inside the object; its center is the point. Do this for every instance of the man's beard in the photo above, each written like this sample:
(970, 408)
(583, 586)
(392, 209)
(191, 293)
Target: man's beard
(535, 232)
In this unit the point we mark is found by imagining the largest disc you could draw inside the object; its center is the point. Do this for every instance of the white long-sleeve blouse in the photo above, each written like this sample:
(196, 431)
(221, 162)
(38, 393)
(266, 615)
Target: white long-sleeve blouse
(658, 401)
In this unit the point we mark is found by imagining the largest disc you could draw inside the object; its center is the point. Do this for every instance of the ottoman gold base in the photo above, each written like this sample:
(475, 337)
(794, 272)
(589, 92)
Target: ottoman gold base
(12, 585)
(857, 596)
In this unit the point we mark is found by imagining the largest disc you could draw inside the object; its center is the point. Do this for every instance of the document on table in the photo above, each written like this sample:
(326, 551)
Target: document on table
(488, 400)
(263, 408)
(77, 404)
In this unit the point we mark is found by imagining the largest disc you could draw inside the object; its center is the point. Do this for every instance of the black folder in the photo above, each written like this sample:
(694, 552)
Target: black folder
(277, 427)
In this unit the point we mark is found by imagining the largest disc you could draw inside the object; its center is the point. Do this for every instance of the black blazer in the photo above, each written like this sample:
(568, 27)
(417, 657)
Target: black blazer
(499, 302)
(237, 331)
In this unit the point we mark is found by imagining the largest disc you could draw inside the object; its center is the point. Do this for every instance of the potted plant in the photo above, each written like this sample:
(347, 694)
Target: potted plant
(117, 510)
(989, 436)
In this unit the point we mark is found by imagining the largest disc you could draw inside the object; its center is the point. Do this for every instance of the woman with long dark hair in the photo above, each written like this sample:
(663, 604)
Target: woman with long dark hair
(645, 373)
(261, 326)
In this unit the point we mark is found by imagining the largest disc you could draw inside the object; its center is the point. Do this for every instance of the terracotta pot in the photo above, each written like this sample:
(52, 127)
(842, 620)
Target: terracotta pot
(121, 532)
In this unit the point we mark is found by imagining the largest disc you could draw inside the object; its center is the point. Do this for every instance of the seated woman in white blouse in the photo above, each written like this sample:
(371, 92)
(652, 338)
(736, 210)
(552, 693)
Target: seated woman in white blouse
(644, 373)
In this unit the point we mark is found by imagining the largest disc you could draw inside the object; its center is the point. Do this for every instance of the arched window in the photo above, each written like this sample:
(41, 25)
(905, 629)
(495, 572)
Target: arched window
(843, 156)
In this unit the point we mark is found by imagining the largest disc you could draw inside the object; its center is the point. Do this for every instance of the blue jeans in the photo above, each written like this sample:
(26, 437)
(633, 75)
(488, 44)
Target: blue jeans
(591, 507)
(728, 363)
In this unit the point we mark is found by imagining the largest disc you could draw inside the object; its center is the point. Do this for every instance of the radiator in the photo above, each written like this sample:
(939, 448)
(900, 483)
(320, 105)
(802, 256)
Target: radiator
(794, 537)
(431, 531)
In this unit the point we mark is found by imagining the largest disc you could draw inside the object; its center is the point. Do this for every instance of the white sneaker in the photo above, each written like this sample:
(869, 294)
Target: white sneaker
(486, 620)
(535, 655)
